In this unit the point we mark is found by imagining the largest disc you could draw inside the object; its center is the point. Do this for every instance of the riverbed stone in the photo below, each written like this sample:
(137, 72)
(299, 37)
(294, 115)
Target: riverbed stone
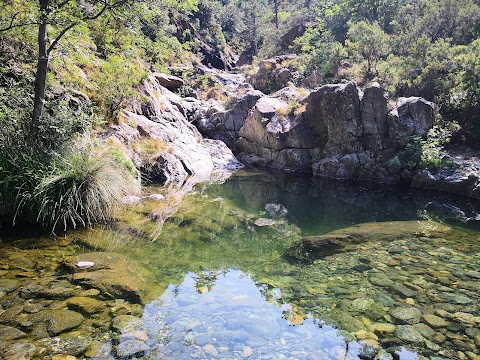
(347, 322)
(131, 348)
(10, 314)
(9, 285)
(126, 323)
(10, 333)
(473, 274)
(476, 340)
(85, 305)
(407, 315)
(434, 321)
(75, 345)
(30, 291)
(16, 350)
(466, 318)
(114, 275)
(409, 334)
(383, 329)
(425, 330)
(210, 350)
(58, 290)
(456, 298)
(58, 321)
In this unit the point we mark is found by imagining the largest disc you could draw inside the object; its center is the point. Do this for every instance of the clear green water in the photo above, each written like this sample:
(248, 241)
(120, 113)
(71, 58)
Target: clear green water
(219, 286)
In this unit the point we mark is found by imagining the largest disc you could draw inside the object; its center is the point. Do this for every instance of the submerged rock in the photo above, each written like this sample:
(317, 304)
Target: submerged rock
(409, 334)
(9, 285)
(17, 350)
(261, 222)
(406, 315)
(126, 323)
(75, 345)
(57, 321)
(10, 333)
(131, 348)
(85, 305)
(317, 247)
(113, 274)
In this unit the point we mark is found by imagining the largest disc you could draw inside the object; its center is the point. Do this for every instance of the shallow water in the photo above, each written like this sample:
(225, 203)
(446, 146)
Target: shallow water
(218, 285)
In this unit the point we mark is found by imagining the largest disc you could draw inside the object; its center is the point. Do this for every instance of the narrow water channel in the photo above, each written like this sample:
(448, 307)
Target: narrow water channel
(201, 273)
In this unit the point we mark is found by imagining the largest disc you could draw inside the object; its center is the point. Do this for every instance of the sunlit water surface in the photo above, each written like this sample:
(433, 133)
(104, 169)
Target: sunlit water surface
(220, 286)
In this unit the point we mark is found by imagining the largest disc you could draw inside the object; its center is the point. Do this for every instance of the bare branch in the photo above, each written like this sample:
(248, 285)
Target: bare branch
(59, 36)
(12, 25)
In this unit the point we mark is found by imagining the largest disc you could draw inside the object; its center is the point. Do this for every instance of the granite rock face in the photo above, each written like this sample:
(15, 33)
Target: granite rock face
(163, 143)
(342, 133)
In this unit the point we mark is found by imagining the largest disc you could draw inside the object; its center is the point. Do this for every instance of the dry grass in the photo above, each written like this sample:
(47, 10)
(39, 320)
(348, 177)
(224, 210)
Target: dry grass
(149, 149)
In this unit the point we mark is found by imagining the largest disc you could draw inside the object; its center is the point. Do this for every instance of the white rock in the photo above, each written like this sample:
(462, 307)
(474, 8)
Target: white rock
(265, 222)
(155, 197)
(85, 264)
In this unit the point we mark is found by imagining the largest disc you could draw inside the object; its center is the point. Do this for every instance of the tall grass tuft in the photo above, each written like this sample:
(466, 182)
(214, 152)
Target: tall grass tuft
(75, 187)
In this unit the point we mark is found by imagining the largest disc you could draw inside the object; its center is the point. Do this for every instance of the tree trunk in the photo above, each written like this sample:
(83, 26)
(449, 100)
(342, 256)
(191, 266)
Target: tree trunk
(255, 37)
(275, 5)
(42, 64)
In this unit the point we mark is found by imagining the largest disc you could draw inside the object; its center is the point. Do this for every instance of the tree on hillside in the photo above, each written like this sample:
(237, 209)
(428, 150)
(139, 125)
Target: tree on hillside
(54, 19)
(369, 42)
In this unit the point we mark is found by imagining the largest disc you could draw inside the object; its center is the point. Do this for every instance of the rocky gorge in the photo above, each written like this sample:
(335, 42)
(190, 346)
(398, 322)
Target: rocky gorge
(338, 131)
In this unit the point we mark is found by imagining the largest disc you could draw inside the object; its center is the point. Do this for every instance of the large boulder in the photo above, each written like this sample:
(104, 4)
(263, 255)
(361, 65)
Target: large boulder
(168, 81)
(279, 139)
(333, 115)
(462, 176)
(374, 111)
(272, 74)
(224, 124)
(412, 116)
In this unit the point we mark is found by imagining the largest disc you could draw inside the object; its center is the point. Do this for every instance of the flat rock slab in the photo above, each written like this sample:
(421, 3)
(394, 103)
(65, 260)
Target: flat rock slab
(114, 275)
(317, 247)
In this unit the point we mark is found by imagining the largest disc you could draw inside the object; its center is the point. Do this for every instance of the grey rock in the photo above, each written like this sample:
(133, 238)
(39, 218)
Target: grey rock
(456, 298)
(163, 121)
(9, 285)
(130, 348)
(63, 345)
(411, 117)
(11, 333)
(408, 334)
(17, 351)
(113, 274)
(168, 81)
(407, 315)
(126, 323)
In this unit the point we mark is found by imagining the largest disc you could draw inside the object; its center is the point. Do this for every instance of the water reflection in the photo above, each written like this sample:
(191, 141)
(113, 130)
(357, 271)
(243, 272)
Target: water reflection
(230, 316)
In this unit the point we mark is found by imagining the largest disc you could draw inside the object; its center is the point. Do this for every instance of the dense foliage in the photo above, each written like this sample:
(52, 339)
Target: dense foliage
(427, 48)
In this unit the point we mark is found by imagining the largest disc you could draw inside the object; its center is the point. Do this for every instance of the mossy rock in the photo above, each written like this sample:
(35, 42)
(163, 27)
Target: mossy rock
(116, 276)
(312, 248)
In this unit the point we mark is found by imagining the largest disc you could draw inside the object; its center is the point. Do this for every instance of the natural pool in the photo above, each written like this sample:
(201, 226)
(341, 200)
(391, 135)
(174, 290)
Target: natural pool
(202, 274)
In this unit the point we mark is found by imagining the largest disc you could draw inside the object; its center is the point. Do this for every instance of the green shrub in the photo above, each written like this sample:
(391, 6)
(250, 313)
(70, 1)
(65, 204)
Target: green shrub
(78, 186)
